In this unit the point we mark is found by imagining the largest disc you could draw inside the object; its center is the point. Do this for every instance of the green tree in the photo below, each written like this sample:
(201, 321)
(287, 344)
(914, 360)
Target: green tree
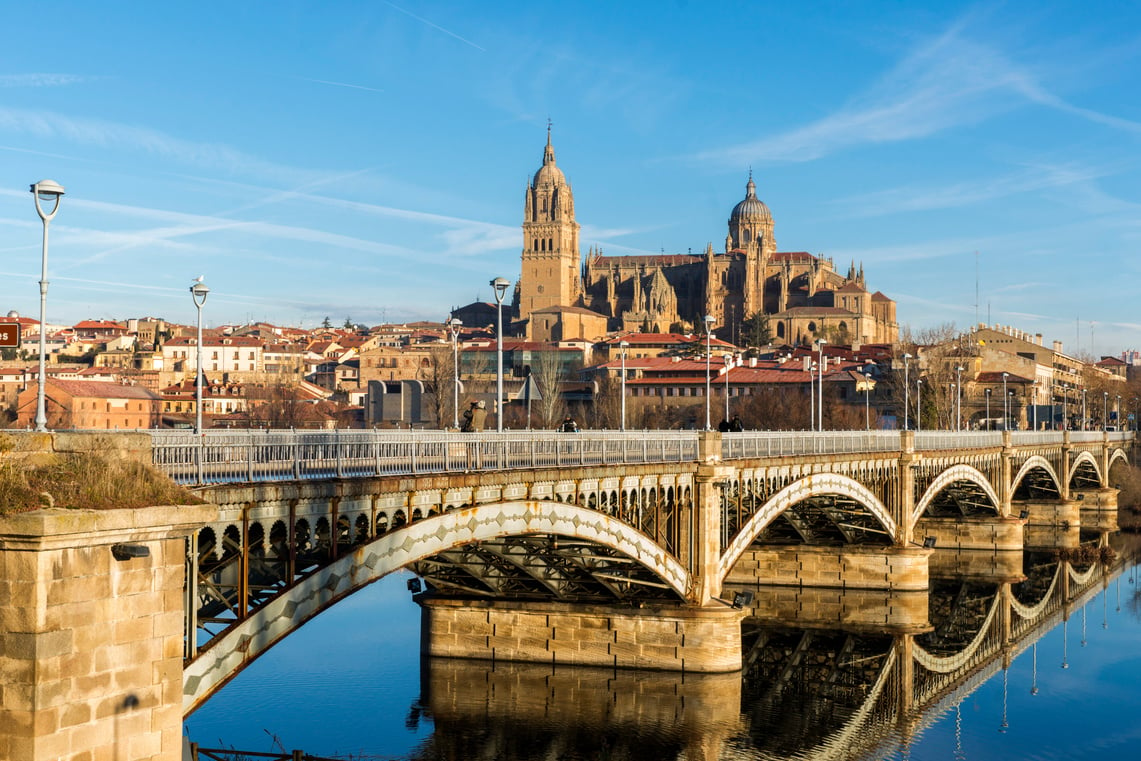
(757, 330)
(325, 323)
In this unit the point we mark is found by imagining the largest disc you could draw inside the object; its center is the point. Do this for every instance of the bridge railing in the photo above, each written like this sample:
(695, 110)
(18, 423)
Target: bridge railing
(266, 455)
(736, 446)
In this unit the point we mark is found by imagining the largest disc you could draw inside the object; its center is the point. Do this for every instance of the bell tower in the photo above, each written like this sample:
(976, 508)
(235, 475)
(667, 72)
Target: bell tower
(551, 266)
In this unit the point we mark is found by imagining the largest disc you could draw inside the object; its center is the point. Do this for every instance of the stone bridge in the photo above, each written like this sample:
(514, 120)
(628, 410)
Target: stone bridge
(597, 548)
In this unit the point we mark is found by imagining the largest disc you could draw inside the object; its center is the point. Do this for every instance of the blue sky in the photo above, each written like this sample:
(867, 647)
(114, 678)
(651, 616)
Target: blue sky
(368, 159)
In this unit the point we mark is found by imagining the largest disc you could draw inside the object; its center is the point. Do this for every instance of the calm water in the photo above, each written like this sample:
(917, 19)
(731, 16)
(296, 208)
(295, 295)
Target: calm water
(351, 683)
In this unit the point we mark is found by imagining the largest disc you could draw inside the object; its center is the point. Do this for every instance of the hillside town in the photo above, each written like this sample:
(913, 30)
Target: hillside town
(749, 336)
(140, 374)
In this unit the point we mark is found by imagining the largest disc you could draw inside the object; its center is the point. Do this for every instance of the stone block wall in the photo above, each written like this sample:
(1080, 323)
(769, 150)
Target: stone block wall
(91, 646)
(848, 567)
(696, 639)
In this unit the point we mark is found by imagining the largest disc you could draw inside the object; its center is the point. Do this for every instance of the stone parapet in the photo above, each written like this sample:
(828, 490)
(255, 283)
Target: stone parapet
(683, 638)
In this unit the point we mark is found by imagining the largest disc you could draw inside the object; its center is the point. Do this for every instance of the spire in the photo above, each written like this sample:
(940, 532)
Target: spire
(549, 151)
(751, 187)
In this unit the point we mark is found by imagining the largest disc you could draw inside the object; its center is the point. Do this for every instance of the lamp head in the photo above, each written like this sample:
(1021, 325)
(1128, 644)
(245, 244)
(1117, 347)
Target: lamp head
(47, 191)
(198, 292)
(500, 284)
(623, 344)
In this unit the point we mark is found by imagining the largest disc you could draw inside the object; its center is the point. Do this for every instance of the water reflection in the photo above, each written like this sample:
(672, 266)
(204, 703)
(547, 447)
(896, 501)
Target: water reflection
(828, 674)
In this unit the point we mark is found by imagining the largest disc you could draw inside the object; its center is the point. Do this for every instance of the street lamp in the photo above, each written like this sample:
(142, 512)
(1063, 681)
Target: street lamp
(1065, 410)
(918, 404)
(198, 292)
(987, 392)
(906, 390)
(454, 326)
(728, 366)
(1104, 411)
(44, 191)
(622, 345)
(1117, 410)
(959, 398)
(953, 392)
(1084, 409)
(1005, 404)
(500, 284)
(708, 320)
(820, 407)
(867, 401)
(812, 396)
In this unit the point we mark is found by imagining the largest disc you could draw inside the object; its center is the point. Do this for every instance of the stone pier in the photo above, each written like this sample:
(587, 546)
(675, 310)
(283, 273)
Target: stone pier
(91, 629)
(704, 639)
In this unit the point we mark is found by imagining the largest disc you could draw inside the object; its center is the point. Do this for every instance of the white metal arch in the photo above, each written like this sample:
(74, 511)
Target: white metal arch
(948, 477)
(1036, 461)
(262, 629)
(1118, 454)
(815, 485)
(1084, 457)
(946, 664)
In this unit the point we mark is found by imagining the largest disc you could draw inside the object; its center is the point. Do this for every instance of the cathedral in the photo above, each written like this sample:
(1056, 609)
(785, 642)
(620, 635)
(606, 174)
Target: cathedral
(559, 297)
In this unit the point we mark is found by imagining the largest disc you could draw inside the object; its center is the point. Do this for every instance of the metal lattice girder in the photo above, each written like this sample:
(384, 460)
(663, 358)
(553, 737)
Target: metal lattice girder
(1085, 476)
(1036, 484)
(958, 611)
(542, 567)
(962, 498)
(828, 519)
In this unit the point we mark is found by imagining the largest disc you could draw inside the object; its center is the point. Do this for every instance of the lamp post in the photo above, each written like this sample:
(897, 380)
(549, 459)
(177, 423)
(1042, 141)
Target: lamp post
(820, 407)
(198, 292)
(622, 345)
(1084, 418)
(44, 191)
(1104, 411)
(812, 396)
(987, 392)
(1117, 411)
(728, 366)
(906, 390)
(454, 326)
(1065, 411)
(953, 392)
(918, 404)
(708, 320)
(500, 284)
(867, 401)
(959, 398)
(1005, 405)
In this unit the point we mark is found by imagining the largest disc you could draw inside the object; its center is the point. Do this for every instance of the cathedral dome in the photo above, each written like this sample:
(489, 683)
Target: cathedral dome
(548, 173)
(752, 208)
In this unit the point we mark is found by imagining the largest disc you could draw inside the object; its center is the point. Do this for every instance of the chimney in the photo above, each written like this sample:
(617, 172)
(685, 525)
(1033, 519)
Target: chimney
(807, 361)
(1058, 347)
(752, 361)
(1038, 338)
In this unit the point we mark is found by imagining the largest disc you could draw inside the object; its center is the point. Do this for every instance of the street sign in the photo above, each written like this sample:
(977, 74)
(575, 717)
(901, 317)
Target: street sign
(9, 335)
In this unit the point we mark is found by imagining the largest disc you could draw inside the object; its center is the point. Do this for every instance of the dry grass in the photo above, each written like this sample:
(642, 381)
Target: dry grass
(87, 481)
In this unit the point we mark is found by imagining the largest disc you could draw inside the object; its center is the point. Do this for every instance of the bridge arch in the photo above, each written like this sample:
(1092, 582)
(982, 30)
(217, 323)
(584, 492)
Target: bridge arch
(247, 640)
(814, 485)
(1036, 462)
(1118, 454)
(946, 664)
(952, 475)
(1084, 462)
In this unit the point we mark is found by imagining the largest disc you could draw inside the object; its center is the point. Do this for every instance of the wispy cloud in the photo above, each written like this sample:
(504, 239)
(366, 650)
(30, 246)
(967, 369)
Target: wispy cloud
(340, 84)
(110, 135)
(41, 80)
(437, 27)
(949, 82)
(916, 198)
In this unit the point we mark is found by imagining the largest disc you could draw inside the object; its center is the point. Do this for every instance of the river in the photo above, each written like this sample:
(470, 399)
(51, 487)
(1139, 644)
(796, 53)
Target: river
(351, 684)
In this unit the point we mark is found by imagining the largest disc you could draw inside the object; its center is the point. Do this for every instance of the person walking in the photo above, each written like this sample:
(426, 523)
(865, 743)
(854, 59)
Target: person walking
(474, 417)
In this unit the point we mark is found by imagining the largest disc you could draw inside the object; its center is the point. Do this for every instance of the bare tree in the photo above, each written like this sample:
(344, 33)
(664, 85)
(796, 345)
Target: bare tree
(438, 376)
(548, 372)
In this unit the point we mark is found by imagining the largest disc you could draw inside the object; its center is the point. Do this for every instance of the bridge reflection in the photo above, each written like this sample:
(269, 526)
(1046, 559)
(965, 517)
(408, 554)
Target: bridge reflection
(828, 675)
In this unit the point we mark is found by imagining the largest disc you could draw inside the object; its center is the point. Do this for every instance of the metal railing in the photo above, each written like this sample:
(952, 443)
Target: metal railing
(227, 456)
(262, 455)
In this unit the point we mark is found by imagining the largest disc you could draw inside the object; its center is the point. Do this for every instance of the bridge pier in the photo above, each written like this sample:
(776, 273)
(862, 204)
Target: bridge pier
(91, 629)
(1100, 500)
(994, 534)
(661, 638)
(1050, 512)
(846, 567)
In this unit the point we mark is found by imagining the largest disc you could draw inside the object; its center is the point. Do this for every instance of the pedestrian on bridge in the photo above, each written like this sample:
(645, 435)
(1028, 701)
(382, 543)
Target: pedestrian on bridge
(474, 417)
